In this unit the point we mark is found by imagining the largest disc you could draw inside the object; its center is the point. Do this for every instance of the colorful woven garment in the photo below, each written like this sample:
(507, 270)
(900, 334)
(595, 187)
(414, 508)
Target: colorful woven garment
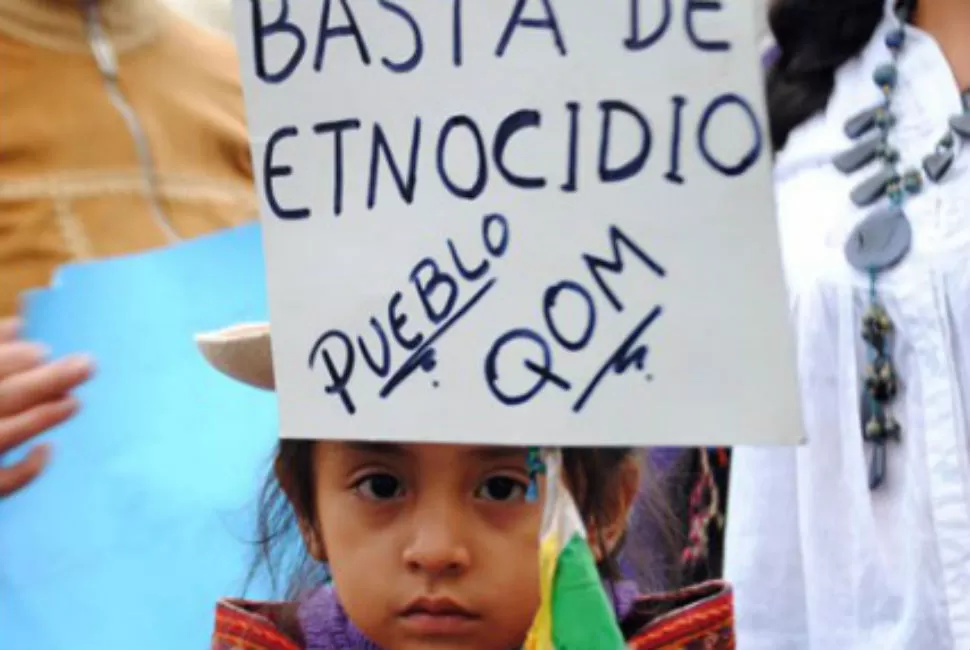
(698, 618)
(243, 625)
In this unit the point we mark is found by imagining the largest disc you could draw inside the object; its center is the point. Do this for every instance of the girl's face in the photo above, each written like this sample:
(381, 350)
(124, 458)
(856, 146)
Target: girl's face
(430, 546)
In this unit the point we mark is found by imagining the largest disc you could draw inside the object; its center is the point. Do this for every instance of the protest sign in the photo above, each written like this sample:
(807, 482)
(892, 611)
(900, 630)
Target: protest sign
(518, 221)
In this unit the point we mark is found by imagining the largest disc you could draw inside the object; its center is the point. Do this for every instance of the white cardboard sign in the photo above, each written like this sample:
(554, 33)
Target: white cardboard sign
(519, 221)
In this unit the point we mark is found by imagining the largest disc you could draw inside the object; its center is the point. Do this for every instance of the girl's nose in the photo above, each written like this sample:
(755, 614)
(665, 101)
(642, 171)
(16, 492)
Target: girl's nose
(438, 546)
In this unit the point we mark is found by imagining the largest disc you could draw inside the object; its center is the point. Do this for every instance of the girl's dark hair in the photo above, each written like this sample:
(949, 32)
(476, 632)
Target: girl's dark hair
(287, 498)
(814, 38)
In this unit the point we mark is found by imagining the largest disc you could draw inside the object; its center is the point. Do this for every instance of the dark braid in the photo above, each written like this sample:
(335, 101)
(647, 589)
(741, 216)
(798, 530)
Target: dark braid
(814, 38)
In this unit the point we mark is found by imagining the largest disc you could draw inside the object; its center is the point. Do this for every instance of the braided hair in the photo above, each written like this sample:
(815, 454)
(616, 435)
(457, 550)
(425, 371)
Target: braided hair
(814, 38)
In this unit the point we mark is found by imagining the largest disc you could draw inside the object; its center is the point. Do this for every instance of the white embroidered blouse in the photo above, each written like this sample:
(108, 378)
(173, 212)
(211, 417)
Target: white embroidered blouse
(818, 561)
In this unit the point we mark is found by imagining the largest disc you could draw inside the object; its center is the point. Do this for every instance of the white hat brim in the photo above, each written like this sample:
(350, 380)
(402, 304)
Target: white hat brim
(243, 352)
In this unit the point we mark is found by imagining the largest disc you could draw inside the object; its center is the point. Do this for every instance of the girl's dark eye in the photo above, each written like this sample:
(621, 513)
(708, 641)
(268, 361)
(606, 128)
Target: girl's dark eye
(380, 487)
(502, 488)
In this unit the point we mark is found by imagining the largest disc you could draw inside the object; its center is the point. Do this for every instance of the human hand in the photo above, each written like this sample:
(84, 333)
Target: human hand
(34, 397)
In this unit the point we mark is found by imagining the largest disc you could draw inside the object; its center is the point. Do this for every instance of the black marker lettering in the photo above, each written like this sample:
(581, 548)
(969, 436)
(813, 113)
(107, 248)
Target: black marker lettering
(635, 42)
(693, 6)
(337, 128)
(541, 369)
(327, 32)
(397, 322)
(488, 228)
(636, 163)
(596, 265)
(424, 356)
(673, 174)
(404, 186)
(482, 174)
(271, 171)
(262, 31)
(338, 378)
(456, 30)
(509, 127)
(571, 171)
(428, 286)
(549, 301)
(467, 274)
(380, 369)
(751, 156)
(629, 353)
(549, 22)
(415, 59)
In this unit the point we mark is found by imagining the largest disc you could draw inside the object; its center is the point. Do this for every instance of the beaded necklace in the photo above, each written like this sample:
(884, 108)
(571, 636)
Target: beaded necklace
(883, 238)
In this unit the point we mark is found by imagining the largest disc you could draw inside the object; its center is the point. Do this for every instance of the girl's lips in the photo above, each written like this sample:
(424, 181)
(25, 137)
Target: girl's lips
(438, 607)
(425, 624)
(438, 617)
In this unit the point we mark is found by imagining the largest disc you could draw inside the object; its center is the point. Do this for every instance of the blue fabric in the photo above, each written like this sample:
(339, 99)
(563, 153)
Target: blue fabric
(143, 518)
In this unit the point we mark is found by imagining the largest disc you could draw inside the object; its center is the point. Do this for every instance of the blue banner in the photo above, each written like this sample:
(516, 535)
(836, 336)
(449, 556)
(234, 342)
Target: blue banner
(145, 515)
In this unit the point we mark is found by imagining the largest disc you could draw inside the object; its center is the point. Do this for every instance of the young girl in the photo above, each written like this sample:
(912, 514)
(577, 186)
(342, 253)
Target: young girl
(434, 545)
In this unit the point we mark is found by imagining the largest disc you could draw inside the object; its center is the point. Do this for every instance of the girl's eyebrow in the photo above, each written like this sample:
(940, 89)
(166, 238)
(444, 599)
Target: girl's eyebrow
(498, 453)
(376, 448)
(399, 450)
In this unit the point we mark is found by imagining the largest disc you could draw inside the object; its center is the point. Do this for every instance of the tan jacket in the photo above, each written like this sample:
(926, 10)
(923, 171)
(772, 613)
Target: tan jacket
(121, 129)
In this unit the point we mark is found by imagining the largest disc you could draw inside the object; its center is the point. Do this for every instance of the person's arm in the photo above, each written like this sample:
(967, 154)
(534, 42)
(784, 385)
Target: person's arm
(35, 396)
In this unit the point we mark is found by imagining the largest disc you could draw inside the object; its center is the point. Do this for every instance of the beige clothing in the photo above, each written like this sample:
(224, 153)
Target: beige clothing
(122, 129)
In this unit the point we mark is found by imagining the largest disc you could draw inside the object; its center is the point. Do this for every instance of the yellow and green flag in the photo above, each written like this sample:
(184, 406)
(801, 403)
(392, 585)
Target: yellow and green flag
(575, 612)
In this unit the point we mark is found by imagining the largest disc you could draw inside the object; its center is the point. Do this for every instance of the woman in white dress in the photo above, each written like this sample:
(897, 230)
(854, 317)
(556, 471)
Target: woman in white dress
(861, 539)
